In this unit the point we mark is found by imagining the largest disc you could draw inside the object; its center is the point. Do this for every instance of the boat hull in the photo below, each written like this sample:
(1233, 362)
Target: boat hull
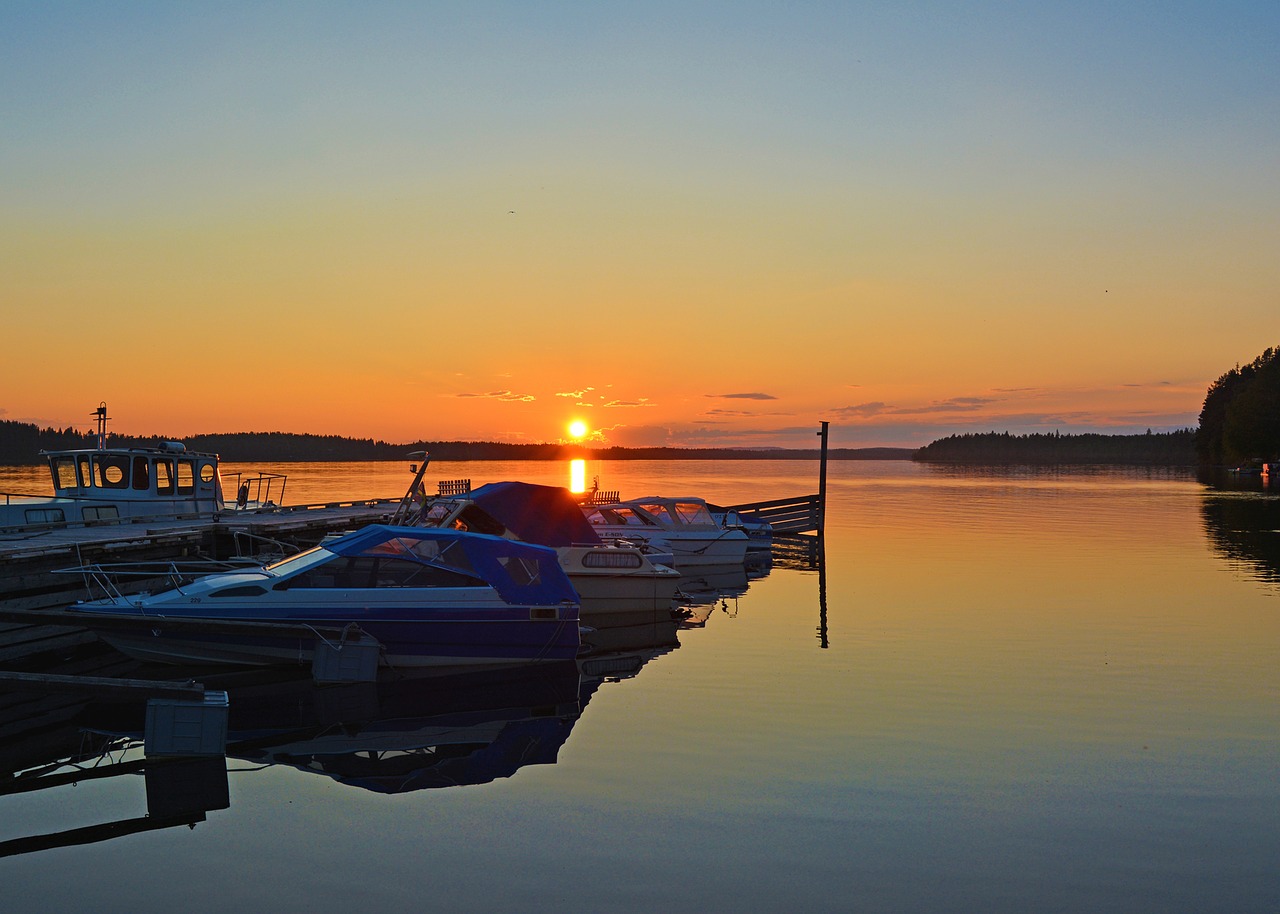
(689, 549)
(462, 643)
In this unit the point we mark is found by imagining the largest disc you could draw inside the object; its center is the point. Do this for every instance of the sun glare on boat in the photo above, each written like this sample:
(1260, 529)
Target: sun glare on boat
(577, 475)
(577, 429)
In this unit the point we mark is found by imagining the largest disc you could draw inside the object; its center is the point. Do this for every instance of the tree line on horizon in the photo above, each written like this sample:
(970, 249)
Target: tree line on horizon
(1176, 448)
(21, 444)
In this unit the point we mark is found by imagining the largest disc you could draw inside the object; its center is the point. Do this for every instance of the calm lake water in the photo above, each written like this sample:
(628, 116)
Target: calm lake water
(1008, 691)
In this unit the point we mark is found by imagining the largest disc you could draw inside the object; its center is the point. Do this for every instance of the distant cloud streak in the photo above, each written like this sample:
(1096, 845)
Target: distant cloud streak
(505, 395)
(747, 396)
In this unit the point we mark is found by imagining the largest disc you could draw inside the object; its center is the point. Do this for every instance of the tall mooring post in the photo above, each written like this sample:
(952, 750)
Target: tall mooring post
(822, 481)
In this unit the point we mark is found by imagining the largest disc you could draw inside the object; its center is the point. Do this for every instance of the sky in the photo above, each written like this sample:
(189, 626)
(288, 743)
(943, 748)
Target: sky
(683, 223)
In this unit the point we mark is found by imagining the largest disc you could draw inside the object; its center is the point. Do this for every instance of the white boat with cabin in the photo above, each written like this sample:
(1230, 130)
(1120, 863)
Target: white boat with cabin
(100, 484)
(682, 526)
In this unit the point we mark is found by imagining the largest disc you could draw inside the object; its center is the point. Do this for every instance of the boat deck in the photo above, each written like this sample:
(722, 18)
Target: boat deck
(281, 523)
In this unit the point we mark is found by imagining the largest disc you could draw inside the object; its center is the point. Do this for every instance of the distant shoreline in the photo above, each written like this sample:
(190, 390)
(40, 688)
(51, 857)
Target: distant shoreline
(21, 444)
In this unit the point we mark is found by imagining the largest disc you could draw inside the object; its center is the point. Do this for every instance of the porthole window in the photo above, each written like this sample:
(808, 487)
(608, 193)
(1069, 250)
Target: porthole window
(206, 473)
(112, 470)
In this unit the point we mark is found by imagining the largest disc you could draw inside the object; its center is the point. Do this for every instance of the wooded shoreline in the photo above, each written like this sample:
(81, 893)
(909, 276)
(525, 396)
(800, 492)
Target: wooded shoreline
(21, 444)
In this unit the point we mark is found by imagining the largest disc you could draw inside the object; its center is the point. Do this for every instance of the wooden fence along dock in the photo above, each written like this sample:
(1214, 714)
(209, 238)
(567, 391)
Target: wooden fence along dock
(785, 515)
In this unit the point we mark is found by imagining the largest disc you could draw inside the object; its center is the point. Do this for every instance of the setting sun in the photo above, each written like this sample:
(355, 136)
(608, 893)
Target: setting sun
(577, 429)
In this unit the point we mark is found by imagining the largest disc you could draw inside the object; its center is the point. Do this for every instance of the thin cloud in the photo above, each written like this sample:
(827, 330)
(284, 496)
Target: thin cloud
(576, 394)
(504, 395)
(747, 396)
(954, 405)
(878, 408)
(862, 409)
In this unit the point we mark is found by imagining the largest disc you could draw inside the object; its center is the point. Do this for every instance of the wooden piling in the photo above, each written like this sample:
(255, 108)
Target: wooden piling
(822, 481)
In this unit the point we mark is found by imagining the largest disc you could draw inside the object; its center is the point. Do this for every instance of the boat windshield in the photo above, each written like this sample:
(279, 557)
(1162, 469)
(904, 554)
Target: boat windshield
(693, 512)
(682, 513)
(313, 556)
(618, 515)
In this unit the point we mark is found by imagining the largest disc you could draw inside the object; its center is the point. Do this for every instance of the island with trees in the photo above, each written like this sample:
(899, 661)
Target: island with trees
(1240, 421)
(1175, 448)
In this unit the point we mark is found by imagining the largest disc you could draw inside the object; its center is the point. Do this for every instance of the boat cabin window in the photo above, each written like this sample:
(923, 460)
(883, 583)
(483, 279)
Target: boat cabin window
(523, 571)
(186, 476)
(141, 474)
(164, 476)
(611, 558)
(243, 590)
(44, 516)
(365, 571)
(477, 520)
(84, 471)
(64, 472)
(111, 471)
(206, 473)
(100, 512)
(436, 513)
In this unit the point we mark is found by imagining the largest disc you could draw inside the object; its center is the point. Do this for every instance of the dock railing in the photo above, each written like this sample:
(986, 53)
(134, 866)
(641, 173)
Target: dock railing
(801, 514)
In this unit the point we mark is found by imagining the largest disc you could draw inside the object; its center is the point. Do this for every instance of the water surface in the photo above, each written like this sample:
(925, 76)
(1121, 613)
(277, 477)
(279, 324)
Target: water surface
(1007, 691)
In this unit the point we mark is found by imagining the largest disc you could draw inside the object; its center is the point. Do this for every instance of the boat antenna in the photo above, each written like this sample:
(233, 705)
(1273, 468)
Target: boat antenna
(101, 414)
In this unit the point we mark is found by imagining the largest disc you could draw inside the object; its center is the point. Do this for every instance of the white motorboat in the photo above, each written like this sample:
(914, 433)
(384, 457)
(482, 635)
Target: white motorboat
(682, 526)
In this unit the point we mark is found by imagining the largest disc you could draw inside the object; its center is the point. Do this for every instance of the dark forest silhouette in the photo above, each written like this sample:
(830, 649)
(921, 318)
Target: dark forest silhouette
(1151, 449)
(1240, 420)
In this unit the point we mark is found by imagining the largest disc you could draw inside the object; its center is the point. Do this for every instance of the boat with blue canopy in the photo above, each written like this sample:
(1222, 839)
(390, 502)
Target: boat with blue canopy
(429, 597)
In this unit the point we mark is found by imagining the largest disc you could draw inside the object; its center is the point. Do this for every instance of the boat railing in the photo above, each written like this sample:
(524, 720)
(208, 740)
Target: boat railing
(7, 496)
(259, 547)
(116, 579)
(259, 489)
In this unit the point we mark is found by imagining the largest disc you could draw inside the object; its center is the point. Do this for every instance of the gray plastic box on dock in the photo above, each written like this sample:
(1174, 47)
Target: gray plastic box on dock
(187, 727)
(350, 660)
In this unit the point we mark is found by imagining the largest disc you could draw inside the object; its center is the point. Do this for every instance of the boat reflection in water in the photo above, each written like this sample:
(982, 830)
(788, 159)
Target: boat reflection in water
(414, 734)
(704, 589)
(392, 736)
